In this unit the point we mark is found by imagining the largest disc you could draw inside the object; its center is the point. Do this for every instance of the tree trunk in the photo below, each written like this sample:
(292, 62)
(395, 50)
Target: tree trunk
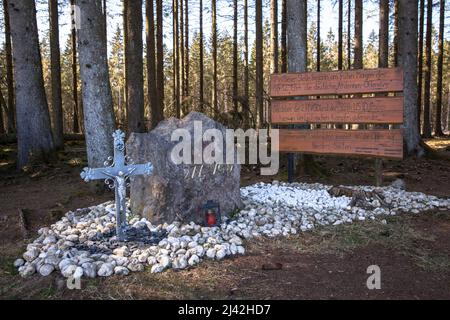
(11, 113)
(134, 67)
(55, 57)
(383, 38)
(340, 38)
(318, 37)
(105, 18)
(420, 80)
(407, 59)
(214, 53)
(159, 115)
(438, 125)
(201, 72)
(246, 106)
(283, 37)
(297, 53)
(181, 57)
(427, 84)
(2, 103)
(259, 86)
(97, 99)
(349, 35)
(235, 57)
(175, 60)
(151, 64)
(73, 38)
(274, 36)
(297, 35)
(396, 32)
(358, 60)
(34, 134)
(186, 55)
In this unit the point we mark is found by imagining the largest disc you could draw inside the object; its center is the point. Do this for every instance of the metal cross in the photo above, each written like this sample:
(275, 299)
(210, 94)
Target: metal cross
(117, 171)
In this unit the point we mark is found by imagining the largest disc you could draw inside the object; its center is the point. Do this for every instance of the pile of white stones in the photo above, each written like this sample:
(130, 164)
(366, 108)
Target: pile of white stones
(271, 210)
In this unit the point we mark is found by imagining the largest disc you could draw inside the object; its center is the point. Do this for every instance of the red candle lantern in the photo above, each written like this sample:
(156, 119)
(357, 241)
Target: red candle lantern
(211, 211)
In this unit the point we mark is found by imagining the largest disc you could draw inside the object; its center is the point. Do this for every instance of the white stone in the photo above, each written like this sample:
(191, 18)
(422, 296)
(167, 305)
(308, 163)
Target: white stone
(19, 263)
(121, 271)
(27, 270)
(31, 254)
(46, 270)
(89, 270)
(193, 260)
(105, 270)
(69, 270)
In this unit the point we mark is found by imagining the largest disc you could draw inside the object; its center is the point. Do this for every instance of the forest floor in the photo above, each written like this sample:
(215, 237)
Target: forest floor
(413, 251)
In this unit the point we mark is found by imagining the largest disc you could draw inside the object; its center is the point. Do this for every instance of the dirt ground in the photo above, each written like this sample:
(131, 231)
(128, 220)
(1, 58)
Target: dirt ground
(412, 251)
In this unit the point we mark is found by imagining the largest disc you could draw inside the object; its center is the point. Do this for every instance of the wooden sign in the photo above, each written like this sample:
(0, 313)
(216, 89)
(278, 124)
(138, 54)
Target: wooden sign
(358, 110)
(336, 82)
(373, 143)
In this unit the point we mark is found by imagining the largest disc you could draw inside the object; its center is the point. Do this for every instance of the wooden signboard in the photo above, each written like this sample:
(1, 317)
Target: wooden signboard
(373, 143)
(357, 110)
(336, 82)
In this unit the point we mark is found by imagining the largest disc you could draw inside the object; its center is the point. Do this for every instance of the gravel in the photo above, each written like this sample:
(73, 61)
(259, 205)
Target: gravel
(83, 244)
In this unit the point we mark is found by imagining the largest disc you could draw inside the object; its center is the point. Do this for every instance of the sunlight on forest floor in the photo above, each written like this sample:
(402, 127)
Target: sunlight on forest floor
(439, 144)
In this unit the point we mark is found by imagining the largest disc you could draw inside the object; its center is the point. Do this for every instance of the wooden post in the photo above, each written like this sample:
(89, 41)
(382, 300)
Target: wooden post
(378, 172)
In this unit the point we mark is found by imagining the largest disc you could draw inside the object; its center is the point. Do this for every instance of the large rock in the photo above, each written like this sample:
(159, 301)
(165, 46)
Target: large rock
(171, 193)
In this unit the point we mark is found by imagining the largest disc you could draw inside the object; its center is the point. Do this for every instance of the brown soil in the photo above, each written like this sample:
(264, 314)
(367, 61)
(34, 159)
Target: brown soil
(413, 251)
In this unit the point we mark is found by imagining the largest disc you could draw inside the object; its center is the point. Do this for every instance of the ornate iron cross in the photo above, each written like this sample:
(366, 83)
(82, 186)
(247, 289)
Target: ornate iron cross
(117, 172)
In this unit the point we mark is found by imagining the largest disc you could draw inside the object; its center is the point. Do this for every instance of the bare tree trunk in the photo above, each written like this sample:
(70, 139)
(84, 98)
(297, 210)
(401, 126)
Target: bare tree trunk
(235, 57)
(407, 59)
(420, 80)
(283, 37)
(11, 113)
(201, 72)
(246, 105)
(181, 57)
(75, 112)
(297, 53)
(2, 106)
(318, 37)
(383, 38)
(55, 57)
(396, 32)
(349, 35)
(34, 134)
(105, 17)
(438, 125)
(259, 86)
(297, 35)
(358, 60)
(134, 67)
(274, 36)
(151, 64)
(340, 35)
(159, 115)
(176, 61)
(427, 84)
(186, 53)
(214, 53)
(97, 99)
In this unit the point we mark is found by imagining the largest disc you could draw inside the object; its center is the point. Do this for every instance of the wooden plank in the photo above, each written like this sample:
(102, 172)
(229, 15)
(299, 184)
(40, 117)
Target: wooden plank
(359, 110)
(336, 82)
(373, 143)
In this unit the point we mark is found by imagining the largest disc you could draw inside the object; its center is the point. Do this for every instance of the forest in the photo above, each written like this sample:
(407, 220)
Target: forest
(167, 58)
(356, 91)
